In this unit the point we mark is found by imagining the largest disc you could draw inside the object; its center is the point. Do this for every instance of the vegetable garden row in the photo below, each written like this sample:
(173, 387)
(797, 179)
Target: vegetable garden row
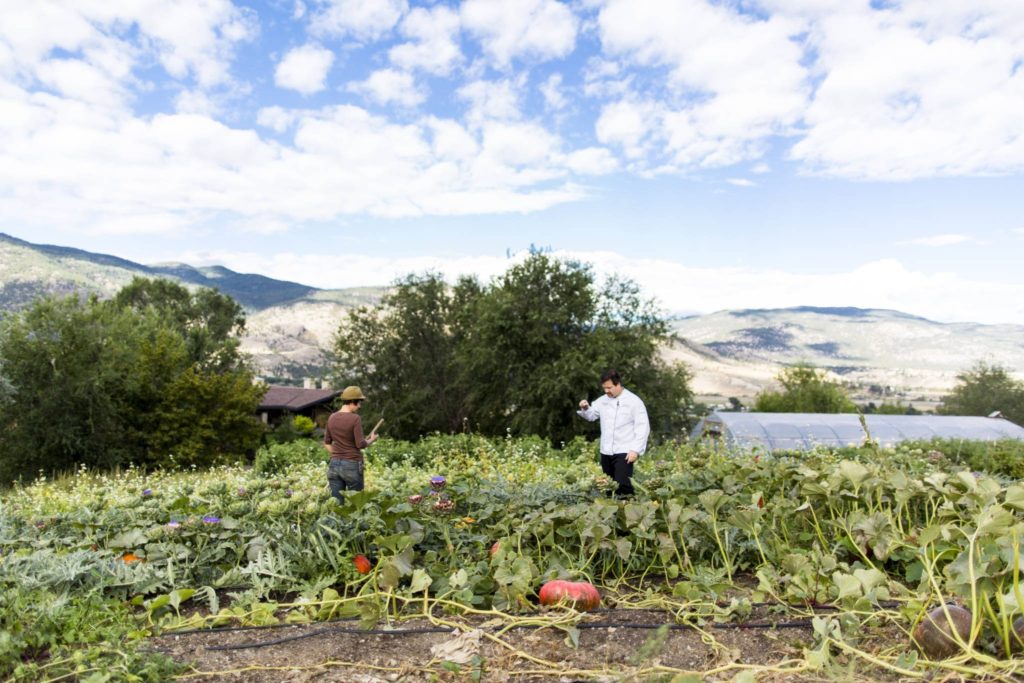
(857, 542)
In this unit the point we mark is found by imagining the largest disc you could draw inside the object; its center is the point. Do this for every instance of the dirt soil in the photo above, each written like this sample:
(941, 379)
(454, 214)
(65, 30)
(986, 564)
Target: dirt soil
(614, 645)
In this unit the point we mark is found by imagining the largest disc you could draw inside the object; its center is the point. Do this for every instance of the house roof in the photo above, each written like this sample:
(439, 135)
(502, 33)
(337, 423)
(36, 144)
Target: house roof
(803, 431)
(295, 398)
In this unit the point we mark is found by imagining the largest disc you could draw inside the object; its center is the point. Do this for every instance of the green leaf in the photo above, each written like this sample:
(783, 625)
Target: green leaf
(180, 595)
(848, 585)
(623, 546)
(994, 520)
(133, 538)
(1015, 496)
(854, 472)
(458, 579)
(420, 581)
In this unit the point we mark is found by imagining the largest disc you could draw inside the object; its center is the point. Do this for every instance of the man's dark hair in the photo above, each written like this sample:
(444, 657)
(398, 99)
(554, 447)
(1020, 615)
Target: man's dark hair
(357, 401)
(611, 374)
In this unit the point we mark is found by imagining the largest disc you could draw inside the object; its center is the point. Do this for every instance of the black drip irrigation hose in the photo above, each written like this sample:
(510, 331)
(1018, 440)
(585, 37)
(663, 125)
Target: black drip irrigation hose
(817, 607)
(804, 623)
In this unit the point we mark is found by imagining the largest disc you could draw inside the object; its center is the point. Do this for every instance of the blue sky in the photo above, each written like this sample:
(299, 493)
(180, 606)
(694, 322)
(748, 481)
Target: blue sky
(725, 154)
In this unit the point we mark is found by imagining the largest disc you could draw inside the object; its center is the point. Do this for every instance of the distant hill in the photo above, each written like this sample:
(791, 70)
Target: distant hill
(288, 324)
(29, 270)
(731, 353)
(738, 353)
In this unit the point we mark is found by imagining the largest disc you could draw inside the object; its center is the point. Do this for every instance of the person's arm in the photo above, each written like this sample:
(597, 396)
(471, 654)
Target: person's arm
(358, 439)
(641, 431)
(587, 411)
(357, 434)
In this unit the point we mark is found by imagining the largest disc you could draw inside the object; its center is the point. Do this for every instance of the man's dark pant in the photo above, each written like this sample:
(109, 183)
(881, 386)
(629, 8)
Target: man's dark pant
(616, 467)
(344, 474)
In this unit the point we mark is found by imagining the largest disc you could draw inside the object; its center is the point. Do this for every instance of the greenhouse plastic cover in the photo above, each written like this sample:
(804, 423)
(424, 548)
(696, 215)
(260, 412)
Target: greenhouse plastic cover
(804, 431)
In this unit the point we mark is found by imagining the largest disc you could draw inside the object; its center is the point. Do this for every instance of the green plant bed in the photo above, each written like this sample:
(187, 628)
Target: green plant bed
(906, 528)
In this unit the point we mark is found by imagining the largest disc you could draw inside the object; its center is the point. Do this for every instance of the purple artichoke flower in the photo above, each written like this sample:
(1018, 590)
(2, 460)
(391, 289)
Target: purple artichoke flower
(437, 483)
(211, 519)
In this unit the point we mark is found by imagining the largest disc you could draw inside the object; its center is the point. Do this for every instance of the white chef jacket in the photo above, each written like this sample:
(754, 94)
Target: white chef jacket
(624, 423)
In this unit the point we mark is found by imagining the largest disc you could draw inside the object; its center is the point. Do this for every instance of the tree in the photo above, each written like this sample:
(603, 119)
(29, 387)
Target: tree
(104, 384)
(517, 354)
(805, 389)
(985, 389)
(403, 352)
(209, 322)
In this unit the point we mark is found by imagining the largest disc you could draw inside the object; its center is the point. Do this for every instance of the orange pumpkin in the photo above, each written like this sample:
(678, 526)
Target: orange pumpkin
(580, 594)
(362, 564)
(128, 558)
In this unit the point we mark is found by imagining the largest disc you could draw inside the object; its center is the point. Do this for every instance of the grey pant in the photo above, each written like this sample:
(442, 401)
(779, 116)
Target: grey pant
(344, 474)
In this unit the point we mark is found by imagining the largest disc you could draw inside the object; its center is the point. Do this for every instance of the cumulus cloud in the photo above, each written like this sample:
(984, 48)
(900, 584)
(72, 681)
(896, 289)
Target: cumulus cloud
(304, 69)
(731, 80)
(741, 182)
(434, 46)
(512, 29)
(362, 19)
(189, 38)
(492, 100)
(551, 89)
(917, 90)
(388, 86)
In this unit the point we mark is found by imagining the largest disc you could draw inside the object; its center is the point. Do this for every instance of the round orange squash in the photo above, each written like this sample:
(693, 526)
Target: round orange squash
(579, 594)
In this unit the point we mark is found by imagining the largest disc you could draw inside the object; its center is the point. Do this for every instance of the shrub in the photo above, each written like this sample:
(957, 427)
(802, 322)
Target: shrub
(275, 458)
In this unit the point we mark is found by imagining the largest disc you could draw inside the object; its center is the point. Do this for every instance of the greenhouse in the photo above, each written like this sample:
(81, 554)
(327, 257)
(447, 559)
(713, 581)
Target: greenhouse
(804, 431)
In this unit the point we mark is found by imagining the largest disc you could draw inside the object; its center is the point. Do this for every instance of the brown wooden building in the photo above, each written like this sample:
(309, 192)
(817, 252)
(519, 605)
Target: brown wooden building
(316, 404)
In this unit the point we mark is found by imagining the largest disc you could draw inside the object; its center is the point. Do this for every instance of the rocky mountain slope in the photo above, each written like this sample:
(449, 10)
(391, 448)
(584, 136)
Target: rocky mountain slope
(730, 353)
(288, 325)
(737, 353)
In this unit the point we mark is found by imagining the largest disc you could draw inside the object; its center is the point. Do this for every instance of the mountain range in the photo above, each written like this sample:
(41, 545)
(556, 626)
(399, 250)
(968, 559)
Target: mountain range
(879, 354)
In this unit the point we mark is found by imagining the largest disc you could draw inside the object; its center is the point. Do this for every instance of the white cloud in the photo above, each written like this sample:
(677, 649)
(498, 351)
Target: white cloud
(65, 163)
(363, 19)
(886, 283)
(917, 90)
(592, 161)
(492, 100)
(628, 125)
(741, 182)
(731, 81)
(434, 47)
(512, 29)
(388, 86)
(304, 69)
(551, 90)
(189, 38)
(939, 240)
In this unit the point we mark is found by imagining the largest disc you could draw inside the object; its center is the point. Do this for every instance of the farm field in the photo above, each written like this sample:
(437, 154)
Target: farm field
(724, 566)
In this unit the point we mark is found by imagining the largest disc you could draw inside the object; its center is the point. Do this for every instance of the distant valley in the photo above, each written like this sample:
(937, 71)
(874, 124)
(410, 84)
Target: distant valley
(730, 353)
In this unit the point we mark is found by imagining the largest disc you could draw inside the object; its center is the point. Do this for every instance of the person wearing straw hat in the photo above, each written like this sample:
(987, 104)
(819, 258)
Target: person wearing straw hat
(344, 440)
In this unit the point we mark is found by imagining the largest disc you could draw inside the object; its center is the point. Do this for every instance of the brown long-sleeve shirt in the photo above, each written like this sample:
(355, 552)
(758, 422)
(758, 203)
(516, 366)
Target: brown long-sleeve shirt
(344, 436)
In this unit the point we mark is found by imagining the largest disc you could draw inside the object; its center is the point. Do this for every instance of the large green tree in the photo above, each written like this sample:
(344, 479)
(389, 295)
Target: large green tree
(515, 354)
(985, 389)
(805, 389)
(103, 383)
(210, 322)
